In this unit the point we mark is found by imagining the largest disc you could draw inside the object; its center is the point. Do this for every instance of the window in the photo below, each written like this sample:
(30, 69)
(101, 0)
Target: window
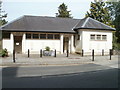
(42, 36)
(6, 35)
(104, 37)
(28, 36)
(98, 37)
(49, 36)
(35, 36)
(57, 36)
(92, 36)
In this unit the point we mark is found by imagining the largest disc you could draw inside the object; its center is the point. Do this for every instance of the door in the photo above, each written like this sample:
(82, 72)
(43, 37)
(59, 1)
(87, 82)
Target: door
(18, 44)
(65, 44)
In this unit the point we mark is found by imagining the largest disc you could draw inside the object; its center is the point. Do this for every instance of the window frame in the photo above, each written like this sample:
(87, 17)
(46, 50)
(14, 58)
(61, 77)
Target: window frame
(98, 36)
(56, 38)
(50, 37)
(30, 36)
(105, 38)
(91, 36)
(42, 34)
(4, 36)
(35, 37)
(45, 36)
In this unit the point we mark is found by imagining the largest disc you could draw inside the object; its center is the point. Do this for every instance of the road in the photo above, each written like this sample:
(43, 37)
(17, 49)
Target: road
(29, 77)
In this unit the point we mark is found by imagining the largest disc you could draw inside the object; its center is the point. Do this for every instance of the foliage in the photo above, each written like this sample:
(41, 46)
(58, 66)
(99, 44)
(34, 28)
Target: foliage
(116, 46)
(0, 44)
(47, 48)
(114, 8)
(2, 15)
(63, 12)
(99, 11)
(4, 53)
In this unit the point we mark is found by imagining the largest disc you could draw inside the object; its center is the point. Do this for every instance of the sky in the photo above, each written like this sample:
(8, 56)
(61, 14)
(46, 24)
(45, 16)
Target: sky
(18, 8)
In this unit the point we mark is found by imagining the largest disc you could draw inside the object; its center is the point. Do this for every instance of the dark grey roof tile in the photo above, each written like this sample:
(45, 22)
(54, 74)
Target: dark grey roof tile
(53, 24)
(92, 24)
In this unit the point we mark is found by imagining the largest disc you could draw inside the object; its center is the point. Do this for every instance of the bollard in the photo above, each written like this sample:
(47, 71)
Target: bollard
(41, 53)
(93, 55)
(14, 56)
(82, 52)
(28, 53)
(67, 53)
(55, 53)
(102, 52)
(110, 53)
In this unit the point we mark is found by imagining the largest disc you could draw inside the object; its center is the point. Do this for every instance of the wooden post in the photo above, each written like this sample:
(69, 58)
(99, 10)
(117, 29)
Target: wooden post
(67, 53)
(55, 53)
(41, 53)
(102, 52)
(28, 53)
(110, 53)
(14, 56)
(82, 52)
(93, 55)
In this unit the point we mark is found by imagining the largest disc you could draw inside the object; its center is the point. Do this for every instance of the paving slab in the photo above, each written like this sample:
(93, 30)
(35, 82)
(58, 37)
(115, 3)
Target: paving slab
(61, 60)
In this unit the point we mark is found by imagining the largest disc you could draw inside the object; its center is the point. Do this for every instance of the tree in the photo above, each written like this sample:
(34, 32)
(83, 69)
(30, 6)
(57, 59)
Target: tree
(99, 11)
(2, 22)
(63, 12)
(114, 8)
(3, 15)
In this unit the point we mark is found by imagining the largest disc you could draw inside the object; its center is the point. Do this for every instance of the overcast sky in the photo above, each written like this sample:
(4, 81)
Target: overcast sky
(17, 8)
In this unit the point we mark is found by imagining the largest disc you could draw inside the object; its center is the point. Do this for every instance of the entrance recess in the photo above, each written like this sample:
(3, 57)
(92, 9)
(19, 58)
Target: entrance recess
(65, 44)
(18, 44)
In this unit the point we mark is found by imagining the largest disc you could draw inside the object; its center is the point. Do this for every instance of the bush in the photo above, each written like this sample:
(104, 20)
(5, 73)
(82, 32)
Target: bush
(116, 46)
(4, 53)
(47, 48)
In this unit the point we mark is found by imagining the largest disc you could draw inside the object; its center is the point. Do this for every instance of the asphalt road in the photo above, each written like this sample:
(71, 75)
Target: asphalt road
(106, 78)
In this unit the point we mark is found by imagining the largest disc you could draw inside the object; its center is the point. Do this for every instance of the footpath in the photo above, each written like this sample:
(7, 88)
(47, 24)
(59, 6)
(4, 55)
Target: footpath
(61, 60)
(60, 65)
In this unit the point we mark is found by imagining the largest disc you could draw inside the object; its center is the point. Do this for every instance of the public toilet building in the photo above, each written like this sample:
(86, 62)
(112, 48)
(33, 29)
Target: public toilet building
(37, 32)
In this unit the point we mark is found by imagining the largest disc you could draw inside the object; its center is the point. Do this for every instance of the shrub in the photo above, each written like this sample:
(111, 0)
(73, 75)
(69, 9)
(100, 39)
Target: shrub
(47, 48)
(116, 46)
(4, 53)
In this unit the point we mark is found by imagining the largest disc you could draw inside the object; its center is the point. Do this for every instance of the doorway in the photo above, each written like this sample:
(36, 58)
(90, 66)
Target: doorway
(65, 44)
(18, 44)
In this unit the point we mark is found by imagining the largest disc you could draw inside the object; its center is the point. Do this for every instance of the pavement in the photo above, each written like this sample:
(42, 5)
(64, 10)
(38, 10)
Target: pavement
(29, 70)
(61, 59)
(49, 64)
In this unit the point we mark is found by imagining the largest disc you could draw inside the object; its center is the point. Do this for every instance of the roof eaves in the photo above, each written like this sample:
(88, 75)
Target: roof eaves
(28, 30)
(97, 29)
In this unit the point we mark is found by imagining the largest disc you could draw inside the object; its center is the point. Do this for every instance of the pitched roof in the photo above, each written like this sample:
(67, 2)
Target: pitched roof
(53, 24)
(89, 23)
(42, 24)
